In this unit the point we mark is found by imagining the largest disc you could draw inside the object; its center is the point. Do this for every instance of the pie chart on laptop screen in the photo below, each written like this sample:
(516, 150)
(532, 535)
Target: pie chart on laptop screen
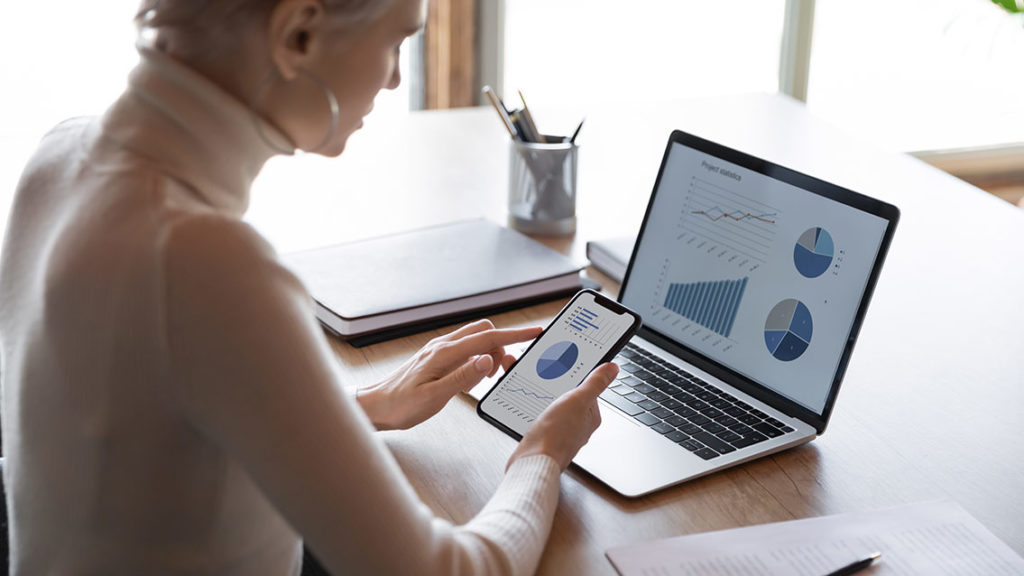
(557, 360)
(813, 252)
(788, 329)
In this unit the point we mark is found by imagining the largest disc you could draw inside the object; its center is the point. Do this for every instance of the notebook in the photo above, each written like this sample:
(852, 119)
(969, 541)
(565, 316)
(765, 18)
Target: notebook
(611, 255)
(389, 286)
(752, 280)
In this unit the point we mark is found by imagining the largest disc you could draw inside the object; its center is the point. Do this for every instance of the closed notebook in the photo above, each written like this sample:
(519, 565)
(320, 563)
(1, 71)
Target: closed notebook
(383, 287)
(611, 255)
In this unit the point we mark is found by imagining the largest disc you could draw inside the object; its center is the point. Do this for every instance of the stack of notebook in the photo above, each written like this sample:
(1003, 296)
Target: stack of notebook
(384, 287)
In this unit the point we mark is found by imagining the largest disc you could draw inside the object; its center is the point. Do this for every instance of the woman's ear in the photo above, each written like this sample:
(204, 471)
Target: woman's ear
(294, 30)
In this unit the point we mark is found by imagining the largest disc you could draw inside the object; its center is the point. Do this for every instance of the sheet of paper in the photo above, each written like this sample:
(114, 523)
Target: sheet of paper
(933, 538)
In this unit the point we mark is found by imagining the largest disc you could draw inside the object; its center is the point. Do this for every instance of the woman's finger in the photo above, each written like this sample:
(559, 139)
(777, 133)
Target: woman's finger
(489, 340)
(449, 355)
(462, 378)
(498, 357)
(471, 328)
(501, 360)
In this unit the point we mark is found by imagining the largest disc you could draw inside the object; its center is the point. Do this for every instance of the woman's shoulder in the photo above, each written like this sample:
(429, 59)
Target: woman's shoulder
(215, 241)
(212, 251)
(221, 281)
(73, 125)
(56, 150)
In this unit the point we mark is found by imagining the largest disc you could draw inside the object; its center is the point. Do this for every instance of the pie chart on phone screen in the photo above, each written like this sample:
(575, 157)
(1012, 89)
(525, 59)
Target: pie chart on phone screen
(557, 360)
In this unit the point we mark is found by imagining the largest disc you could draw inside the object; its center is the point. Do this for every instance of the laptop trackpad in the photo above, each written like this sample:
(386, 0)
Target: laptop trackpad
(631, 459)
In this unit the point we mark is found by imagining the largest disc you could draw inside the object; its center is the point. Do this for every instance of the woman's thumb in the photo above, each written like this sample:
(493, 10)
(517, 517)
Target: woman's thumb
(599, 379)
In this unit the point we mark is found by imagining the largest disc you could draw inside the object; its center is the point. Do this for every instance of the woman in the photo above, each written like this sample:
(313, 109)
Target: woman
(170, 404)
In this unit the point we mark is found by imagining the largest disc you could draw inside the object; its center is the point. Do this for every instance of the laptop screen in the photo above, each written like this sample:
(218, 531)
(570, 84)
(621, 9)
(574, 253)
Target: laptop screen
(749, 267)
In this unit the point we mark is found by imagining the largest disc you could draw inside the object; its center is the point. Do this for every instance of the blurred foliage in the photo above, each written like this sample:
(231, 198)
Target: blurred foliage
(1011, 5)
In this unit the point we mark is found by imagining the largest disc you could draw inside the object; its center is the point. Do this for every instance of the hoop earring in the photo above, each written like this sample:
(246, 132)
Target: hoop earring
(332, 104)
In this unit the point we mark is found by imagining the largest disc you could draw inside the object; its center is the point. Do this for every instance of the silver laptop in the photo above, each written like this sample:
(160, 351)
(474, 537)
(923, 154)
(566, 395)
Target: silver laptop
(752, 281)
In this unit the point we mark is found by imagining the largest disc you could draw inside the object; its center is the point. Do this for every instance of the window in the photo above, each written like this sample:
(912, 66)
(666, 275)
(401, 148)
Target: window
(567, 53)
(61, 59)
(908, 75)
(914, 76)
(67, 58)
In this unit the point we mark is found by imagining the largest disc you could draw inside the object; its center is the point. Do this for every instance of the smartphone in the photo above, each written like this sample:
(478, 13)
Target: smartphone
(589, 331)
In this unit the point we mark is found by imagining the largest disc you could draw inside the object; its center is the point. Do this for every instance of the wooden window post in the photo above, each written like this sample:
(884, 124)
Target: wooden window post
(450, 54)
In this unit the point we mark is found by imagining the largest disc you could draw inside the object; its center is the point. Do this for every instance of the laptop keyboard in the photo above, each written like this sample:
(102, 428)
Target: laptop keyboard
(685, 409)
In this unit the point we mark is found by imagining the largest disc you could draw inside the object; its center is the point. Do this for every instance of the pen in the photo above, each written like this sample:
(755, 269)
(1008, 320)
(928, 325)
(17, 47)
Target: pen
(577, 132)
(521, 129)
(856, 566)
(500, 109)
(527, 118)
(527, 132)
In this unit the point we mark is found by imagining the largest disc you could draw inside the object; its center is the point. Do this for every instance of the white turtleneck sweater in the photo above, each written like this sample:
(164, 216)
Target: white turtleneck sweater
(169, 401)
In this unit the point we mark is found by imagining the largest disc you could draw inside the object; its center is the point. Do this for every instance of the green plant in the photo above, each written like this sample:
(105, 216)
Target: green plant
(1011, 5)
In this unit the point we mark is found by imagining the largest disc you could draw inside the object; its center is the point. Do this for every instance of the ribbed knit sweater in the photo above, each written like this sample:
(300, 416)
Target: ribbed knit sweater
(170, 405)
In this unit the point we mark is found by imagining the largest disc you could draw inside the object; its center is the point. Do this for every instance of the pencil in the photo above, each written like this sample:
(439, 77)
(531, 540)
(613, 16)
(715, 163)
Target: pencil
(500, 109)
(528, 120)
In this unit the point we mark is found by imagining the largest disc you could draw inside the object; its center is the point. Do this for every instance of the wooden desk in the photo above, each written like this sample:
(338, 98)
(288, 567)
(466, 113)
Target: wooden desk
(932, 405)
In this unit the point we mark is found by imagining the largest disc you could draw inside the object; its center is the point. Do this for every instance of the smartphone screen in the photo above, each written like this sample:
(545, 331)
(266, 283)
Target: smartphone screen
(590, 330)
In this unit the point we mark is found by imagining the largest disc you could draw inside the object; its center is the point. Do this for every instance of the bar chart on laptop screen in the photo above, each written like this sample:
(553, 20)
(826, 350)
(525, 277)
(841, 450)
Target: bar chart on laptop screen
(702, 310)
(727, 224)
(713, 305)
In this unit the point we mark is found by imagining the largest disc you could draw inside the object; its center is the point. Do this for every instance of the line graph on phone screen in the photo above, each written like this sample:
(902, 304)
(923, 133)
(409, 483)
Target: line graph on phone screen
(522, 398)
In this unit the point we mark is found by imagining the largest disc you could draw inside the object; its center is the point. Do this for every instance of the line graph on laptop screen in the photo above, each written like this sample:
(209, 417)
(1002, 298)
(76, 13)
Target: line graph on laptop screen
(734, 227)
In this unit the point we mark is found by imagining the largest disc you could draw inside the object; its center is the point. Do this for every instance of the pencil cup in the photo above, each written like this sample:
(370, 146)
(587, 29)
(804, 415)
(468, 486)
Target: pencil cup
(542, 187)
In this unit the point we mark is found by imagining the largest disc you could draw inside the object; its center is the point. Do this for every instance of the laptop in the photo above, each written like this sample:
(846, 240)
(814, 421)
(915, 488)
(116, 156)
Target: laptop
(752, 280)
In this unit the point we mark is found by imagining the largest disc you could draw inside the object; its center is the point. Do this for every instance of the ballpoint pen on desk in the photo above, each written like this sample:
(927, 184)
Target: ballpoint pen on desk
(857, 566)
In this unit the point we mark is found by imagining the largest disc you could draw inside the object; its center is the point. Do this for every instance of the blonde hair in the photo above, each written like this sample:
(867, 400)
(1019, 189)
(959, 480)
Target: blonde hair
(211, 25)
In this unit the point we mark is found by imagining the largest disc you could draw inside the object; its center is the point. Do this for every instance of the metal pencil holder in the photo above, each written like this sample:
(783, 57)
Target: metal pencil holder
(542, 187)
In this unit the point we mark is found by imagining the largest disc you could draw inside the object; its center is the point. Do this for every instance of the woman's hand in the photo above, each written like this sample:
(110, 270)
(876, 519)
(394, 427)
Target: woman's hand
(566, 425)
(445, 366)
